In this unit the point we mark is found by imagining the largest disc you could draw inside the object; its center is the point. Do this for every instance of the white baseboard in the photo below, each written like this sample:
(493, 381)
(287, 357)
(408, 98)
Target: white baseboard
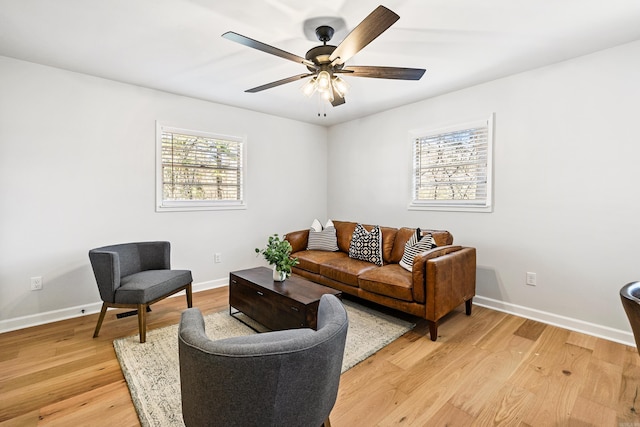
(83, 310)
(616, 335)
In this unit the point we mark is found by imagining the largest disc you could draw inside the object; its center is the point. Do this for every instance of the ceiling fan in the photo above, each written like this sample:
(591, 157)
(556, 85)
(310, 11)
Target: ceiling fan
(325, 63)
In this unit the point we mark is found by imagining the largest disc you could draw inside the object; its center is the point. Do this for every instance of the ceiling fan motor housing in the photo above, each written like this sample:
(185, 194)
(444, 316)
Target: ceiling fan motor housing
(319, 55)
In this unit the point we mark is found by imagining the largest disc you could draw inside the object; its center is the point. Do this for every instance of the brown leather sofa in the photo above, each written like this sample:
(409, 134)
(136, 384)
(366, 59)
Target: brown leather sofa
(442, 278)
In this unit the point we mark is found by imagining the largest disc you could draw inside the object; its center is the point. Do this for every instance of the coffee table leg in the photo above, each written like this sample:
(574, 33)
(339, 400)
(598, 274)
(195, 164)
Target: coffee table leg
(234, 315)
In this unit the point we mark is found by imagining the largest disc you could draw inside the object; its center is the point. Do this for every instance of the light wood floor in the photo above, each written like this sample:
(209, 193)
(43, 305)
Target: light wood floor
(487, 369)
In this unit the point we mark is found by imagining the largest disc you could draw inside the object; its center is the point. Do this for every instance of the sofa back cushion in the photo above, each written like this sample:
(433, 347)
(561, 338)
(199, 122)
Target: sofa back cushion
(344, 231)
(402, 237)
(441, 237)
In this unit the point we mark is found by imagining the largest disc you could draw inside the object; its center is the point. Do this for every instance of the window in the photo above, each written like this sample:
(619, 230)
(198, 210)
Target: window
(198, 170)
(452, 167)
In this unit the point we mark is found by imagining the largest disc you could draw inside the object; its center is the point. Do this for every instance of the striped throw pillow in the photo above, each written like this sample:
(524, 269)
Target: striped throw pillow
(325, 240)
(414, 246)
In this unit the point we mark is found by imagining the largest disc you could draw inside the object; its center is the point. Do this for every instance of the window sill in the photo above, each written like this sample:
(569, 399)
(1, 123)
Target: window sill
(449, 208)
(187, 208)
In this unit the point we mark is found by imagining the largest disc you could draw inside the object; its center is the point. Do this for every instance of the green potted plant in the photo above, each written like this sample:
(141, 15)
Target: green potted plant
(278, 254)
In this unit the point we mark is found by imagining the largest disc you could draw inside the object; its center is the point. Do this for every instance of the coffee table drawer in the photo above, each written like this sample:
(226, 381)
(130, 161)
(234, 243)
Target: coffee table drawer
(269, 308)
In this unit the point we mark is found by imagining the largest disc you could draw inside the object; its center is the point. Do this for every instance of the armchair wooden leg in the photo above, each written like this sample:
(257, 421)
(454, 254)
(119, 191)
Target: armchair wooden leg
(189, 296)
(468, 305)
(103, 311)
(142, 322)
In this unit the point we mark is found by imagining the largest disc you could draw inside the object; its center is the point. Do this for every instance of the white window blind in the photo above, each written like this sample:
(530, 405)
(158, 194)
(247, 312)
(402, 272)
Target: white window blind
(199, 170)
(452, 167)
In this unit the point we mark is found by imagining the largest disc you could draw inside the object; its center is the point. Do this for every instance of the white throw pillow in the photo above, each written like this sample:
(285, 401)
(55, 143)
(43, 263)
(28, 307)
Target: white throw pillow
(316, 226)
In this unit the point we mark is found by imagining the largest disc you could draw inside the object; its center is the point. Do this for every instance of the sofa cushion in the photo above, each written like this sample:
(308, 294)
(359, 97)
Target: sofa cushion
(402, 237)
(441, 237)
(344, 269)
(366, 245)
(414, 246)
(311, 260)
(388, 240)
(344, 231)
(391, 280)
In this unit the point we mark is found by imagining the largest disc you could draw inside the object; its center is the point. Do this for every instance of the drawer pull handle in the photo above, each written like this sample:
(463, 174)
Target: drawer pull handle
(260, 293)
(295, 308)
(234, 282)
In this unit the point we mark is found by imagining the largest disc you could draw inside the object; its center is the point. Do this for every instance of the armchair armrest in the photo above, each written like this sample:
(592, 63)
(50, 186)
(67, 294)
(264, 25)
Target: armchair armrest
(106, 269)
(298, 240)
(154, 255)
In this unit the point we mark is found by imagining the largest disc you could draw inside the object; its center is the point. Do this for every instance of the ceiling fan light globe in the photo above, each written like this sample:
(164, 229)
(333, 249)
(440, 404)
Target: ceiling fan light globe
(310, 87)
(324, 80)
(340, 86)
(327, 95)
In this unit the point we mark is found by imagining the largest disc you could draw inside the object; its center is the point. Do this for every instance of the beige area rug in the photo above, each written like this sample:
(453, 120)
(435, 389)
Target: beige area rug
(152, 369)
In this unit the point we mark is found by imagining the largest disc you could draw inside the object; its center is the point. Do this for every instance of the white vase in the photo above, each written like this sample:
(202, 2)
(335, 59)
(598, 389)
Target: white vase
(278, 276)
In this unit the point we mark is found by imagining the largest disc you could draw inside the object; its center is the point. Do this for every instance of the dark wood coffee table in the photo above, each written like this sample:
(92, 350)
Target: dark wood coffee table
(277, 305)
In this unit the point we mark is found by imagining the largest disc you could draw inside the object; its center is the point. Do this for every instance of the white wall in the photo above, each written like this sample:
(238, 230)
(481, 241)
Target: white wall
(566, 186)
(77, 171)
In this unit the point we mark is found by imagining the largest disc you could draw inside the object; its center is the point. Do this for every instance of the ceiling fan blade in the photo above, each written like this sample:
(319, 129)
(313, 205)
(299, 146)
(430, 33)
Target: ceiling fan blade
(279, 82)
(337, 98)
(239, 38)
(371, 27)
(338, 101)
(383, 72)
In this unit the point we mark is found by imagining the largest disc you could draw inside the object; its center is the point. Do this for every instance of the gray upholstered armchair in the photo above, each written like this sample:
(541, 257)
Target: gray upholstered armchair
(282, 378)
(630, 296)
(136, 275)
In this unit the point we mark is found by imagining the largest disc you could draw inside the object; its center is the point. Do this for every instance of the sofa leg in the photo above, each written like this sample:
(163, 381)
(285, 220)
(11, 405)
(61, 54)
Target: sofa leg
(468, 305)
(433, 330)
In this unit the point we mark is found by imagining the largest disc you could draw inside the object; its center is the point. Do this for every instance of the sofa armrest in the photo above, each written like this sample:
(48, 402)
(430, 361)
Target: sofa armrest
(419, 272)
(444, 278)
(298, 240)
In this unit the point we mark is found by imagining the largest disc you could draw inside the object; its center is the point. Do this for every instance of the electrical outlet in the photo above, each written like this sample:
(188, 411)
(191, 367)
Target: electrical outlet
(531, 279)
(36, 283)
(217, 257)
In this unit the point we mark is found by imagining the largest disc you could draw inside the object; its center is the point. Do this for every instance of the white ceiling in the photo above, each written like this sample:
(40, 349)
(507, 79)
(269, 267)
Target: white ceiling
(176, 45)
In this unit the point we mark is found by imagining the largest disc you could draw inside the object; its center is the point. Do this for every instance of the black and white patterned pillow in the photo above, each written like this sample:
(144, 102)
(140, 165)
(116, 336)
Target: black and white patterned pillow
(366, 245)
(414, 246)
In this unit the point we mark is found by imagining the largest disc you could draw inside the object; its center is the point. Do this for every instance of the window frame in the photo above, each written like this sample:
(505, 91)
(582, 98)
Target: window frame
(453, 205)
(197, 205)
